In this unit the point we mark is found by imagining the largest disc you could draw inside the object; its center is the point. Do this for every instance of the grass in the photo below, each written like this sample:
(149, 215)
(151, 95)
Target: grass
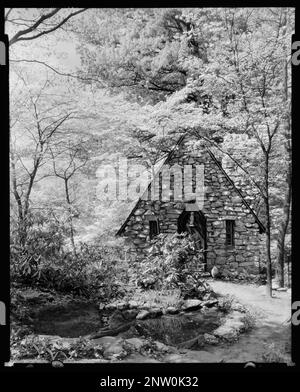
(277, 353)
(249, 321)
(226, 302)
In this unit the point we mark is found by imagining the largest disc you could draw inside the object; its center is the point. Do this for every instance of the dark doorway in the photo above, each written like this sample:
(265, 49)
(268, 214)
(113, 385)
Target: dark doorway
(194, 222)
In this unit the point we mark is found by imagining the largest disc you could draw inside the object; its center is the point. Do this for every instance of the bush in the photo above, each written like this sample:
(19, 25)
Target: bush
(249, 321)
(43, 240)
(225, 303)
(43, 261)
(51, 349)
(173, 262)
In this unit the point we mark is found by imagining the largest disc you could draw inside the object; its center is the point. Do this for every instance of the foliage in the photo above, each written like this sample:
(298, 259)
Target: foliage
(225, 303)
(44, 240)
(51, 349)
(249, 321)
(43, 261)
(163, 267)
(159, 298)
(249, 94)
(173, 262)
(276, 353)
(144, 77)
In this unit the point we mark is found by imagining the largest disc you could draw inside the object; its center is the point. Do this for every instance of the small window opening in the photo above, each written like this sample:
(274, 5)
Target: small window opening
(230, 232)
(153, 228)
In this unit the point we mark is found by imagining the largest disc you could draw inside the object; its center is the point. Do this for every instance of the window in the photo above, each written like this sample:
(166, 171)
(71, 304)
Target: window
(230, 232)
(153, 228)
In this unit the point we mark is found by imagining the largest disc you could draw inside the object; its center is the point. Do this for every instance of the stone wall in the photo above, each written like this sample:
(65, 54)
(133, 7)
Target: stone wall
(221, 202)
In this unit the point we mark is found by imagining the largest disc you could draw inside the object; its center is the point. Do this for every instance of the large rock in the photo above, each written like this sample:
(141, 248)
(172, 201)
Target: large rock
(146, 306)
(226, 332)
(192, 304)
(172, 310)
(192, 356)
(122, 305)
(106, 341)
(115, 350)
(136, 343)
(161, 346)
(231, 328)
(210, 339)
(209, 303)
(155, 312)
(133, 304)
(139, 212)
(113, 346)
(215, 272)
(143, 314)
(111, 306)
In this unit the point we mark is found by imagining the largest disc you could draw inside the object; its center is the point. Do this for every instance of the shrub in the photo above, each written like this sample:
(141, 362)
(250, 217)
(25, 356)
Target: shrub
(51, 349)
(92, 271)
(42, 238)
(173, 262)
(225, 303)
(249, 321)
(43, 261)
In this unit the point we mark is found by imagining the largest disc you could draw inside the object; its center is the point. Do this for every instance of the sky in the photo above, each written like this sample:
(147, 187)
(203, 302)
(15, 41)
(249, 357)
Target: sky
(57, 49)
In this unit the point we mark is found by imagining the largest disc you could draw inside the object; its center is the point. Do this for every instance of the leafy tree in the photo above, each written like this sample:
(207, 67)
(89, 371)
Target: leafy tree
(35, 123)
(233, 67)
(72, 159)
(150, 75)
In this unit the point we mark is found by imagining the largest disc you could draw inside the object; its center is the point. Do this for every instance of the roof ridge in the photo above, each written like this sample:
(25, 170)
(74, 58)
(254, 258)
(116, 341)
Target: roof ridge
(257, 220)
(168, 157)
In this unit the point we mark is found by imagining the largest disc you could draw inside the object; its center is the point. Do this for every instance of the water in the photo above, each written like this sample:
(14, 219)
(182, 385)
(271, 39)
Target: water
(177, 329)
(81, 318)
(69, 320)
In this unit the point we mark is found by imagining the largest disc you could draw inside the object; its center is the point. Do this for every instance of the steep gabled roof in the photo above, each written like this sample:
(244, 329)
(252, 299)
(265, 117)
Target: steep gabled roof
(247, 205)
(167, 159)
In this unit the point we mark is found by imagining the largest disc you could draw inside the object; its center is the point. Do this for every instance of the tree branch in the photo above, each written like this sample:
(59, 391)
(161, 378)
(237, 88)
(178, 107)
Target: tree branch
(69, 75)
(19, 36)
(20, 33)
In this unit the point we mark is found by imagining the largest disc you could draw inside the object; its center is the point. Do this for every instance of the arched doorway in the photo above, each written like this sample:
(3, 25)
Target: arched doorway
(194, 223)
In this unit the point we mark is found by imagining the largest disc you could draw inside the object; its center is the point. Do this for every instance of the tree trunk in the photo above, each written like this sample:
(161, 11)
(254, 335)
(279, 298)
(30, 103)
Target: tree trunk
(268, 227)
(70, 212)
(21, 213)
(288, 194)
(268, 248)
(283, 229)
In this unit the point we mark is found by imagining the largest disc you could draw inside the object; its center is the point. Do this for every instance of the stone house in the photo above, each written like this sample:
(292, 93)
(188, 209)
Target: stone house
(226, 229)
